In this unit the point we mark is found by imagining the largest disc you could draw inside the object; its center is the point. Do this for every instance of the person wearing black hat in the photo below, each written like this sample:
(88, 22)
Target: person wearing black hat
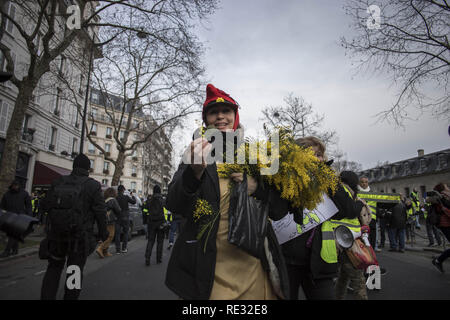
(81, 243)
(155, 220)
(18, 201)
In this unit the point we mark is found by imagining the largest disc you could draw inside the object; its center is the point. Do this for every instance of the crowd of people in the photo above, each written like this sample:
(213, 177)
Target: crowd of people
(204, 264)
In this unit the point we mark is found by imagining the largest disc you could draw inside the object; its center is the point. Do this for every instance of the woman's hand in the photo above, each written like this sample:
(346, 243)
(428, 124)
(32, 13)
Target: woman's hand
(199, 149)
(252, 185)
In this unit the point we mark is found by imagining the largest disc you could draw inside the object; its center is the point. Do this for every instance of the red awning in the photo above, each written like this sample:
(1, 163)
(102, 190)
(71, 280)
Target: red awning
(45, 173)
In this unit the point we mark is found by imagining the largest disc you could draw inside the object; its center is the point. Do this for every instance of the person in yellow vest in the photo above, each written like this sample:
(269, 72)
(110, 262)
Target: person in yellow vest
(311, 258)
(348, 274)
(415, 201)
(409, 219)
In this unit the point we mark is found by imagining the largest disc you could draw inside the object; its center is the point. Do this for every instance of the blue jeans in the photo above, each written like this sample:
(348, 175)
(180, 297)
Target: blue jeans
(395, 233)
(122, 226)
(174, 228)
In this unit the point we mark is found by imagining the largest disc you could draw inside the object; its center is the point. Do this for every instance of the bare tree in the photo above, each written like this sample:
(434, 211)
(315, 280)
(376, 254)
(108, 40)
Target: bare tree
(408, 39)
(298, 116)
(341, 163)
(48, 18)
(157, 80)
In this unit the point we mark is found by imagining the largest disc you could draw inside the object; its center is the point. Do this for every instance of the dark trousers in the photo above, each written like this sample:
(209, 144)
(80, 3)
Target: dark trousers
(12, 247)
(432, 230)
(314, 289)
(383, 229)
(52, 276)
(154, 233)
(446, 253)
(122, 226)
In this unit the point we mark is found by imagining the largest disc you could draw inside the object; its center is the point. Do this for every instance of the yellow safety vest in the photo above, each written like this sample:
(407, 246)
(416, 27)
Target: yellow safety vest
(372, 198)
(145, 210)
(328, 252)
(166, 214)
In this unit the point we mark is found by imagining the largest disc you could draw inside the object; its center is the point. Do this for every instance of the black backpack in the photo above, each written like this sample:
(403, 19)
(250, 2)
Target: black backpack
(66, 216)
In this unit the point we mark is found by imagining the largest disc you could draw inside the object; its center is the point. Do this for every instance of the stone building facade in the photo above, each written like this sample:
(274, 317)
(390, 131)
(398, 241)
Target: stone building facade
(422, 172)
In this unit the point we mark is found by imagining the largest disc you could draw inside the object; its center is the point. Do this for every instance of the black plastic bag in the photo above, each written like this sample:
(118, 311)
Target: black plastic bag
(247, 221)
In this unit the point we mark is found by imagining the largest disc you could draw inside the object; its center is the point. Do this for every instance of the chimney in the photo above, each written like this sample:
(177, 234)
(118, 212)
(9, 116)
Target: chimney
(420, 153)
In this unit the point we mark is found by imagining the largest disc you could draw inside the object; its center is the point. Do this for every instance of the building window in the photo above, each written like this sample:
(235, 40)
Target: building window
(107, 147)
(105, 166)
(122, 134)
(81, 84)
(53, 139)
(407, 192)
(74, 145)
(3, 116)
(94, 97)
(105, 182)
(57, 102)
(62, 63)
(108, 131)
(92, 164)
(11, 11)
(94, 129)
(133, 186)
(423, 191)
(393, 190)
(91, 148)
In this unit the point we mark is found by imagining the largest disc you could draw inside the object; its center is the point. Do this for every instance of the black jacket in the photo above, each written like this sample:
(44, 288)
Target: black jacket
(190, 272)
(398, 217)
(123, 201)
(155, 207)
(94, 204)
(296, 252)
(113, 205)
(17, 202)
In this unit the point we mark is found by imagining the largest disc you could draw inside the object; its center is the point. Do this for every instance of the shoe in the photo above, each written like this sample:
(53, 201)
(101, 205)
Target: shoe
(170, 246)
(99, 252)
(383, 271)
(118, 251)
(401, 250)
(437, 264)
(107, 254)
(147, 262)
(124, 250)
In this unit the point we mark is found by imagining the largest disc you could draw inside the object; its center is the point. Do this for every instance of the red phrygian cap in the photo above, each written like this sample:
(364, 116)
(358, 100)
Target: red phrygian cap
(215, 96)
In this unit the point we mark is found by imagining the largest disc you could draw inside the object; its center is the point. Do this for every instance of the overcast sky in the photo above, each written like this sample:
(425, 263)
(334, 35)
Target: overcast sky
(260, 50)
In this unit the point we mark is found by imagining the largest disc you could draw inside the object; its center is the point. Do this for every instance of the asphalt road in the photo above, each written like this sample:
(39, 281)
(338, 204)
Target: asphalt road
(410, 276)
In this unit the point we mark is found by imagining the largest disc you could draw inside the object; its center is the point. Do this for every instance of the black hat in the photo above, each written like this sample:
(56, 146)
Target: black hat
(156, 189)
(351, 179)
(81, 161)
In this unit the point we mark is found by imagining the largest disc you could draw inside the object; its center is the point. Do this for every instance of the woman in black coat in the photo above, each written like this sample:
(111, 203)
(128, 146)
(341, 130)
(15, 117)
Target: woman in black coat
(210, 267)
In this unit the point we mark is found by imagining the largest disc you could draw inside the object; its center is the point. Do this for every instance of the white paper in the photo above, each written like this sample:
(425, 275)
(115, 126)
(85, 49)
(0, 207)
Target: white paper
(286, 229)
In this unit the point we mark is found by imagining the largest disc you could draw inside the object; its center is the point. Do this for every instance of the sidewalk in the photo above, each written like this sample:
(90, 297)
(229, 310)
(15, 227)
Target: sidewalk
(421, 243)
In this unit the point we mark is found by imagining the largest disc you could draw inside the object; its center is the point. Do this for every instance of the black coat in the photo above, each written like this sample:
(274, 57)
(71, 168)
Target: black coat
(155, 207)
(398, 217)
(190, 273)
(113, 205)
(295, 250)
(17, 201)
(123, 201)
(94, 204)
